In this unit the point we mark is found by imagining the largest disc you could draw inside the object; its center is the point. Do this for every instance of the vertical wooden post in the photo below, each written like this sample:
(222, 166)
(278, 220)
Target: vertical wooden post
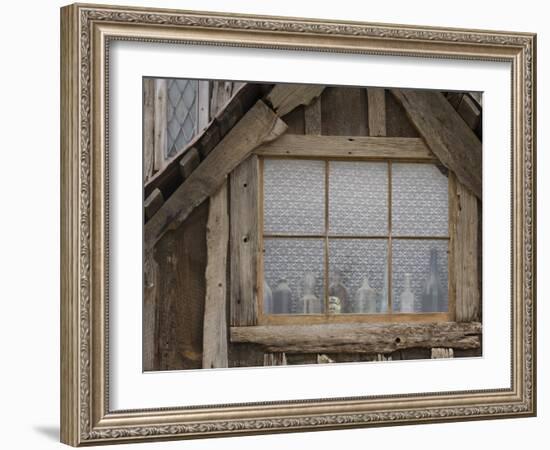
(376, 98)
(203, 102)
(150, 278)
(312, 117)
(148, 128)
(214, 353)
(160, 138)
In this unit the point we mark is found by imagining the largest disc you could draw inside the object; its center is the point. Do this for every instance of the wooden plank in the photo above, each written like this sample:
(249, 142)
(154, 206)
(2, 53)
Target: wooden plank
(258, 125)
(464, 244)
(203, 103)
(344, 111)
(346, 146)
(148, 128)
(312, 117)
(181, 259)
(440, 353)
(150, 340)
(189, 162)
(244, 243)
(445, 133)
(214, 352)
(161, 137)
(285, 97)
(359, 338)
(469, 111)
(153, 203)
(397, 122)
(295, 121)
(376, 98)
(275, 359)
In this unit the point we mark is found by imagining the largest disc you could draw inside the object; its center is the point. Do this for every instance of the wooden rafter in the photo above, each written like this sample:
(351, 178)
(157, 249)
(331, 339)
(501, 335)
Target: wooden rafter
(283, 98)
(446, 134)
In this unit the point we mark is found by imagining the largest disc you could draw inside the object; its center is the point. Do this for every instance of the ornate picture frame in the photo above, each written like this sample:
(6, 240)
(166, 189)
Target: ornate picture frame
(87, 31)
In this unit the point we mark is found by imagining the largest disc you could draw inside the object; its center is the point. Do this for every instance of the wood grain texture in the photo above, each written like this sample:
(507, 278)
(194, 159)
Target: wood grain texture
(464, 243)
(440, 353)
(285, 97)
(244, 242)
(359, 338)
(259, 124)
(445, 133)
(376, 99)
(160, 138)
(344, 111)
(150, 289)
(214, 354)
(181, 259)
(346, 147)
(397, 122)
(312, 117)
(153, 203)
(148, 128)
(189, 162)
(275, 359)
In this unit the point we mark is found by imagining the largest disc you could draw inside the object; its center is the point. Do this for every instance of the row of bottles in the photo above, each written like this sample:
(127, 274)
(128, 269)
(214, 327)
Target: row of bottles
(367, 300)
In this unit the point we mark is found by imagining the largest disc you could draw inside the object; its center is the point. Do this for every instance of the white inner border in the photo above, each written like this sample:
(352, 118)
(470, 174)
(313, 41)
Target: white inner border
(130, 388)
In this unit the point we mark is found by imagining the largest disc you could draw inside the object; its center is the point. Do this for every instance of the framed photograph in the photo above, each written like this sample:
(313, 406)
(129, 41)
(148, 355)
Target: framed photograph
(276, 225)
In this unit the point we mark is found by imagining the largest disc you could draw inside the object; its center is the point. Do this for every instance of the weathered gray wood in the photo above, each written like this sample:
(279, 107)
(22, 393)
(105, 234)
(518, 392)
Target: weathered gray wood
(203, 103)
(214, 353)
(189, 162)
(312, 117)
(275, 359)
(153, 203)
(160, 124)
(469, 111)
(445, 133)
(464, 243)
(150, 287)
(344, 111)
(244, 242)
(440, 353)
(285, 97)
(359, 338)
(148, 128)
(376, 98)
(345, 146)
(259, 124)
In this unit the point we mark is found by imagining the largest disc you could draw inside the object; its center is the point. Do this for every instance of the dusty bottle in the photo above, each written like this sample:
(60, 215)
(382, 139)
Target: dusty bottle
(432, 297)
(366, 298)
(268, 299)
(282, 298)
(407, 296)
(309, 303)
(338, 290)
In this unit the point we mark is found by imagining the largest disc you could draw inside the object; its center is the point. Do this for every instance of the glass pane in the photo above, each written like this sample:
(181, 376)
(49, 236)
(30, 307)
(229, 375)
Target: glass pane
(358, 275)
(293, 276)
(420, 278)
(181, 113)
(358, 198)
(419, 200)
(294, 196)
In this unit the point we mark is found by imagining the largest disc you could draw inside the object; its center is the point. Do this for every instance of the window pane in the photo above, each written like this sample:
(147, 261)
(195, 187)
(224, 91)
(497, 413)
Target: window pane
(419, 200)
(294, 274)
(294, 196)
(181, 113)
(358, 198)
(419, 281)
(358, 274)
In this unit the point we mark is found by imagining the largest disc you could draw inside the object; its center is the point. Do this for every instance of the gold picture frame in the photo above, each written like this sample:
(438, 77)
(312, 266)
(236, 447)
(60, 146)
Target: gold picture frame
(86, 33)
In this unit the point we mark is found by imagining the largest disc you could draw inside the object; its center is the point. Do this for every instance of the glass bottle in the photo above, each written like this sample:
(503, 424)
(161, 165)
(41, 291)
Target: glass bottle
(338, 290)
(407, 296)
(432, 296)
(366, 298)
(309, 303)
(268, 299)
(282, 298)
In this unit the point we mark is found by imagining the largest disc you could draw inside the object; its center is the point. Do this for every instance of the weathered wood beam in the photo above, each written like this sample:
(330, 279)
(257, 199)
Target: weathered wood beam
(312, 117)
(285, 97)
(376, 101)
(260, 124)
(346, 146)
(244, 242)
(214, 350)
(153, 203)
(446, 134)
(148, 128)
(160, 138)
(359, 338)
(464, 244)
(189, 162)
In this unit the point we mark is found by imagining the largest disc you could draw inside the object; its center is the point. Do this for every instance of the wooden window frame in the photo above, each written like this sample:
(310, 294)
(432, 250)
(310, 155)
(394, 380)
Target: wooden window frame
(350, 318)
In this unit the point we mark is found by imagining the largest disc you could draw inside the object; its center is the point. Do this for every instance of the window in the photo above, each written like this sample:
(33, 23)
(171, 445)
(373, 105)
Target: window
(181, 114)
(366, 240)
